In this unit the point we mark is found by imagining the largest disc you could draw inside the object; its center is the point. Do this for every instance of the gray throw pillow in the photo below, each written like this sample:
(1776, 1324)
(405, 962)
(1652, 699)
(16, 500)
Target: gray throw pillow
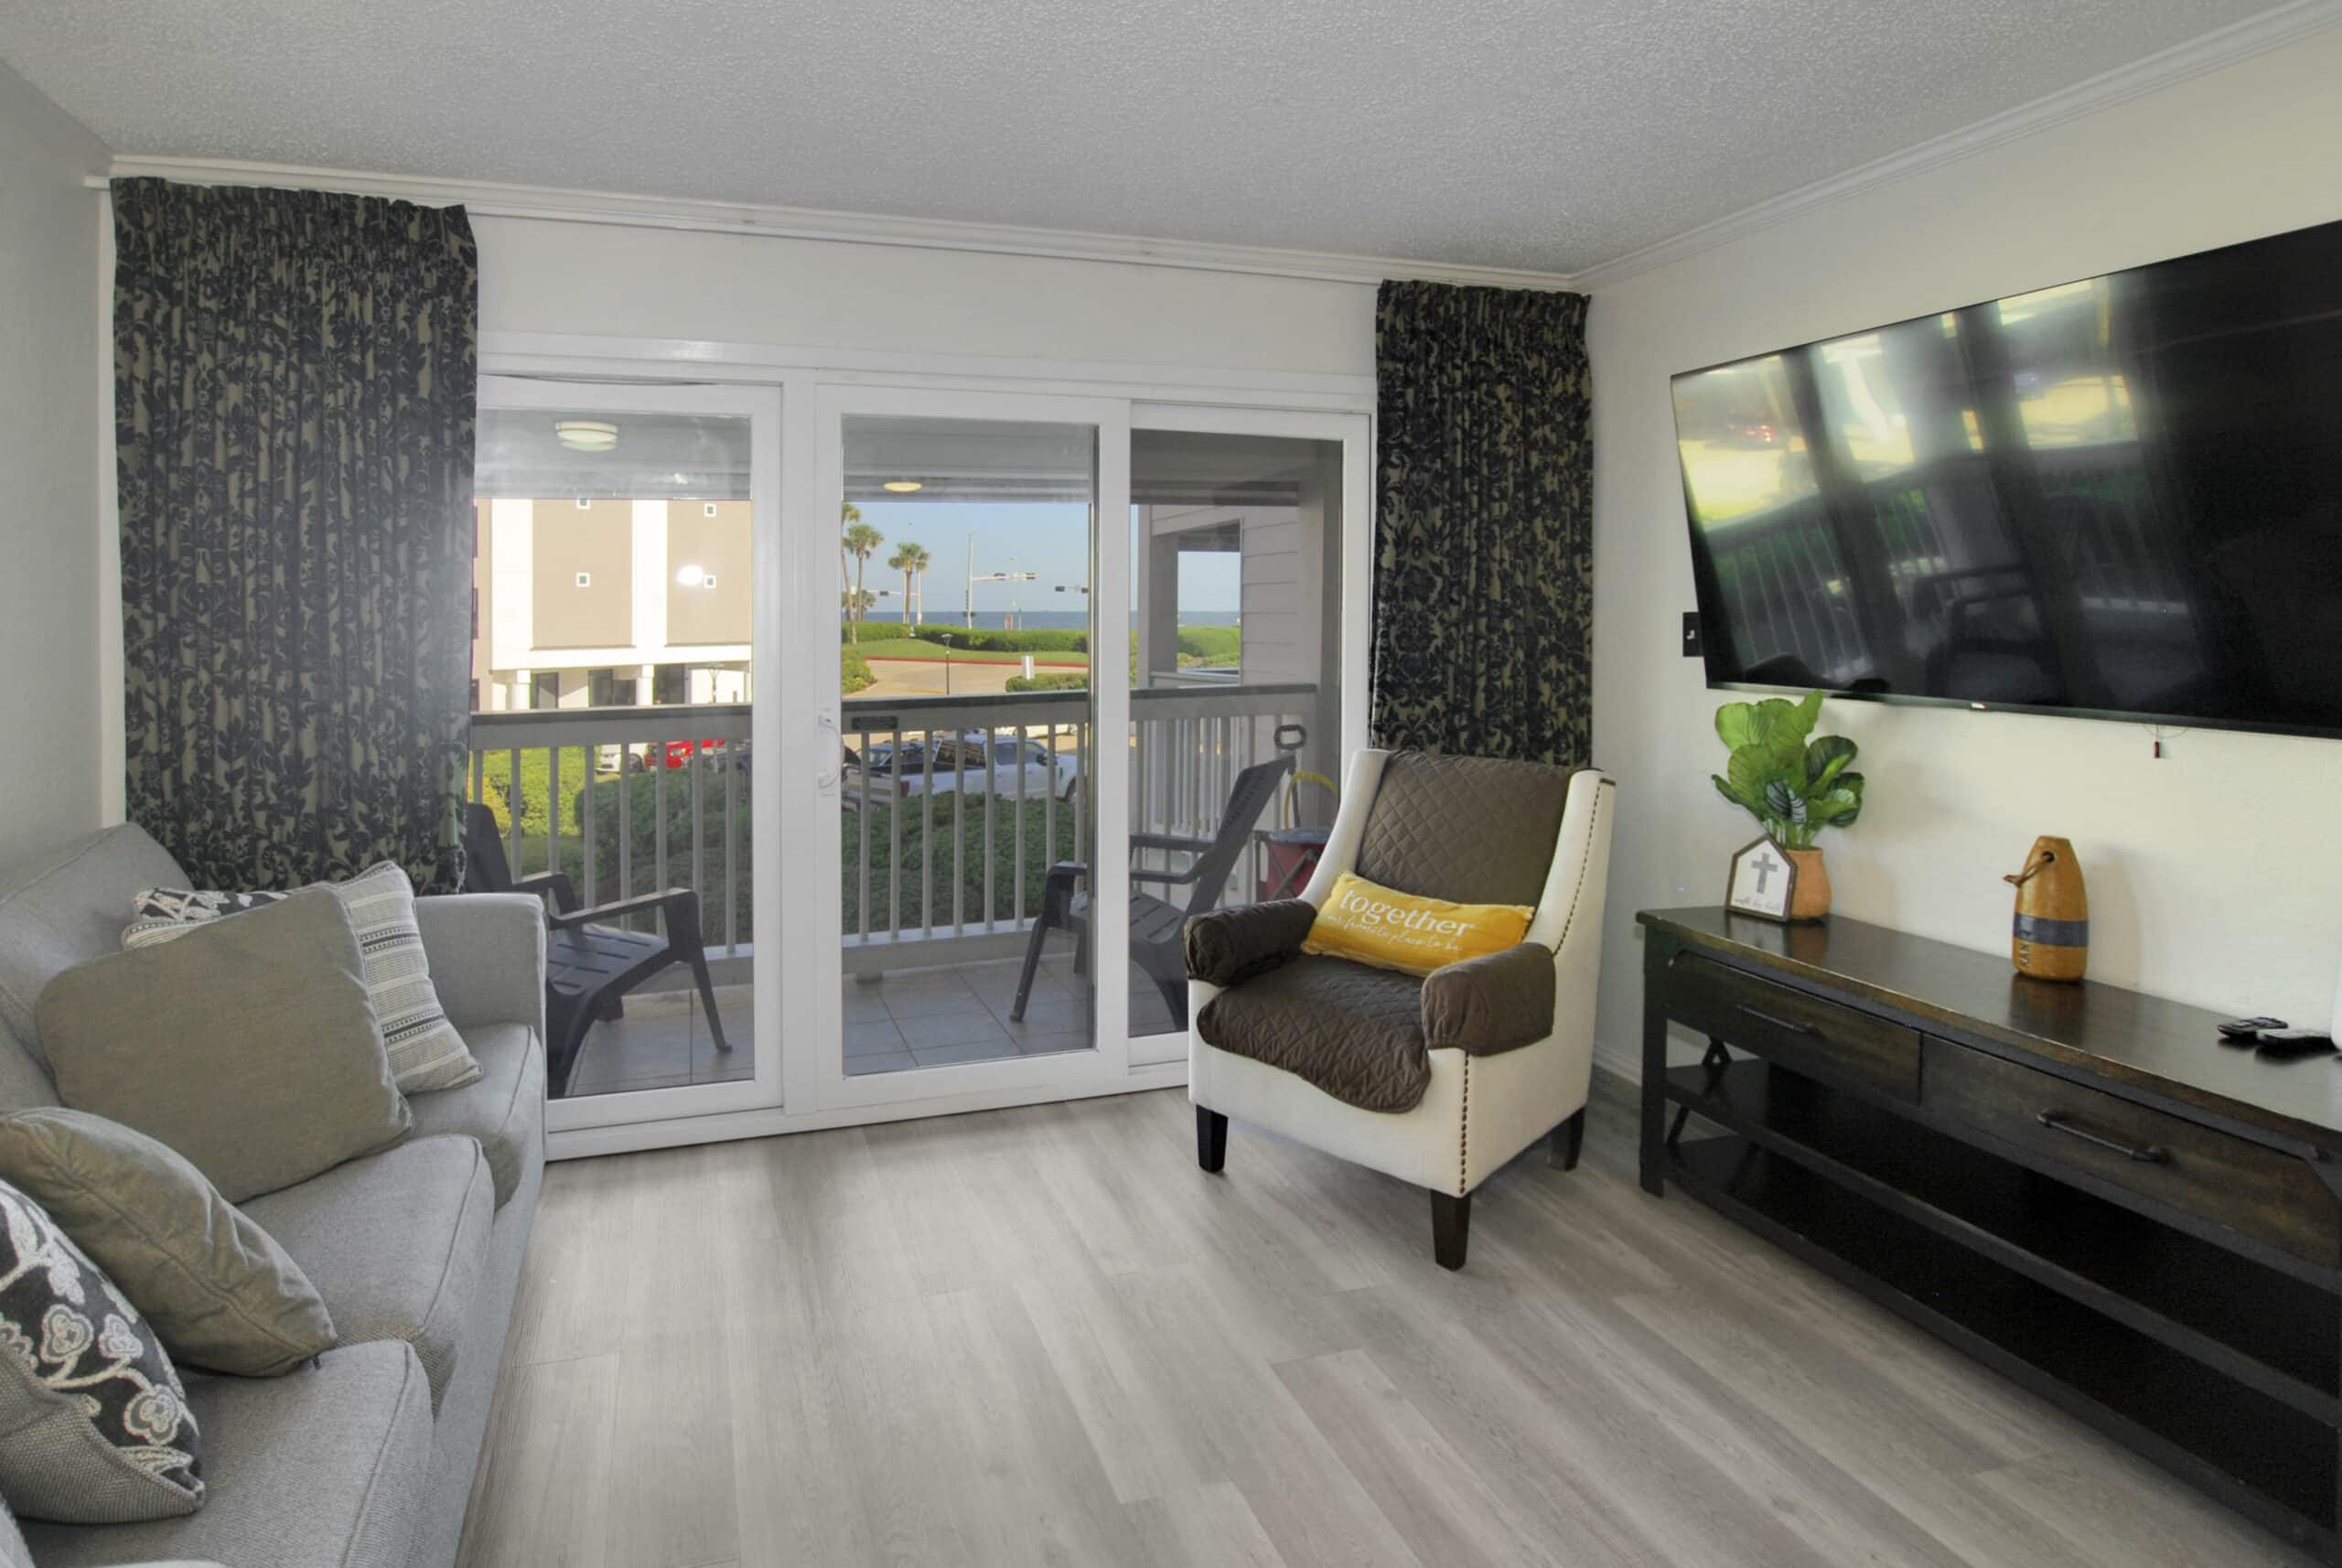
(426, 1053)
(219, 1290)
(249, 1045)
(96, 1424)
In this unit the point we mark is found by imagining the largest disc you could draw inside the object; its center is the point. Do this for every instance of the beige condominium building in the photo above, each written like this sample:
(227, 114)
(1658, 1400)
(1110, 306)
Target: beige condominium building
(601, 602)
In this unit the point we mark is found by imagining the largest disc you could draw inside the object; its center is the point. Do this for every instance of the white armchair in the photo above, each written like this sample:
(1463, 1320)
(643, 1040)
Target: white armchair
(1439, 1080)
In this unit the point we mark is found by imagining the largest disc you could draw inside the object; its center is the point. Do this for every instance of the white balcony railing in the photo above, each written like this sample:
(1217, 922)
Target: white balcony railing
(944, 857)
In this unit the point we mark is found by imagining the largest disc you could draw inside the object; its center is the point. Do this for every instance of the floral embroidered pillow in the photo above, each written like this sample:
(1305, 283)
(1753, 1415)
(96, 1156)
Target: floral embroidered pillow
(98, 1426)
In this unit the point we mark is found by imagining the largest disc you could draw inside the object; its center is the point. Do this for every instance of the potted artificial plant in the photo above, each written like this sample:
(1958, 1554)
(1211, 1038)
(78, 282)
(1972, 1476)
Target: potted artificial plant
(1793, 787)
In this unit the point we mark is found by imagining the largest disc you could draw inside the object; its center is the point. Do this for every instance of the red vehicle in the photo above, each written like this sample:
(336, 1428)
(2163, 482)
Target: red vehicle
(677, 754)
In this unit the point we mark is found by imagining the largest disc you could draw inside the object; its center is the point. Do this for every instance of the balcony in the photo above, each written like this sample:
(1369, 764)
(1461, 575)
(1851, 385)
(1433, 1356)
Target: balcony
(950, 812)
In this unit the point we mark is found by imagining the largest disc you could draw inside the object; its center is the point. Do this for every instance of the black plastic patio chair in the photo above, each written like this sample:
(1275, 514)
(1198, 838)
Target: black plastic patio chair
(1157, 925)
(589, 965)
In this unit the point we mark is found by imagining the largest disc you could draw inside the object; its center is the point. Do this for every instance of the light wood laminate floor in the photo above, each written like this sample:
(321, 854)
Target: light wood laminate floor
(1042, 1336)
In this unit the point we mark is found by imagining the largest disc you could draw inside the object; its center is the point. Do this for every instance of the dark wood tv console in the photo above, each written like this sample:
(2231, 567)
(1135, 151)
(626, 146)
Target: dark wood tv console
(2076, 1183)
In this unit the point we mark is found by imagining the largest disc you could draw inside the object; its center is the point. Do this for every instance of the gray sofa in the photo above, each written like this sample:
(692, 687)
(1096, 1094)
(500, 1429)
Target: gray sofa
(364, 1459)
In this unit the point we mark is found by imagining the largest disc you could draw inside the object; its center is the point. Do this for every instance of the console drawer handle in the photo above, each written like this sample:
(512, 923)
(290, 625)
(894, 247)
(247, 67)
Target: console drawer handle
(1789, 1026)
(2145, 1154)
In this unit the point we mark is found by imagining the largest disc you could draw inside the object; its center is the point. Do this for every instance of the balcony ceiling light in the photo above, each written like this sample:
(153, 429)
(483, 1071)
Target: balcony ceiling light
(585, 434)
(902, 487)
(689, 576)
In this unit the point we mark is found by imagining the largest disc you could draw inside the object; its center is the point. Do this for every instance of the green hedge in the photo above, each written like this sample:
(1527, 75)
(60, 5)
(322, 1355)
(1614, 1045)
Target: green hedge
(1056, 642)
(1210, 644)
(919, 886)
(1059, 680)
(853, 671)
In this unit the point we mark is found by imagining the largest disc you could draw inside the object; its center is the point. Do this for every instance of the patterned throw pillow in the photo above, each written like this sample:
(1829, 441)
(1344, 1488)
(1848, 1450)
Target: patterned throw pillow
(426, 1051)
(98, 1425)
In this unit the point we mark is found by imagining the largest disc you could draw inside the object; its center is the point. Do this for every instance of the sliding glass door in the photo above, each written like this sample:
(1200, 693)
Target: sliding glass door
(1242, 704)
(625, 654)
(979, 888)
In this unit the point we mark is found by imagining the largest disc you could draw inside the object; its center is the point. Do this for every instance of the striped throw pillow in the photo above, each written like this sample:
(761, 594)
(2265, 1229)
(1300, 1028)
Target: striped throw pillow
(426, 1053)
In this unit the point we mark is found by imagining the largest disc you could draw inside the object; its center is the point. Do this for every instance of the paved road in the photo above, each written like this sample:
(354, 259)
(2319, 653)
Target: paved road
(924, 678)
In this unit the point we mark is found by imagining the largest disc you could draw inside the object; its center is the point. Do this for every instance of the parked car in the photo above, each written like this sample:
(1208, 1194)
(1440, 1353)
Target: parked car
(961, 760)
(675, 754)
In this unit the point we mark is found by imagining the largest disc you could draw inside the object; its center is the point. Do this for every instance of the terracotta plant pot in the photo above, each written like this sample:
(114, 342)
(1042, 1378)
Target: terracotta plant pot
(1812, 899)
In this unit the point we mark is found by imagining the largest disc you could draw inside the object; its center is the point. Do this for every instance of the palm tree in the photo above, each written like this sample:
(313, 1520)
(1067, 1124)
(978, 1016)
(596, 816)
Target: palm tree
(849, 514)
(911, 561)
(859, 542)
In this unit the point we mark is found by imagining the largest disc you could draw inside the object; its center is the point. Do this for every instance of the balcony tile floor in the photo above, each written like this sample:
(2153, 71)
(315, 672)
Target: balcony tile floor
(907, 1019)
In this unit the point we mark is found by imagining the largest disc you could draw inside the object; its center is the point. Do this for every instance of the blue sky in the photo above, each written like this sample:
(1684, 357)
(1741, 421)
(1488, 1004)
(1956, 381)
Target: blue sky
(1052, 540)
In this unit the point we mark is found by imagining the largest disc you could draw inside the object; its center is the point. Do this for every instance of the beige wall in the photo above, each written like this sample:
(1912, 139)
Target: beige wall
(539, 276)
(597, 538)
(719, 545)
(51, 446)
(2214, 874)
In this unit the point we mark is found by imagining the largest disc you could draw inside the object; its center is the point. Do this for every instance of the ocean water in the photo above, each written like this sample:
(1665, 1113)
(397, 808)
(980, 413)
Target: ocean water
(1030, 620)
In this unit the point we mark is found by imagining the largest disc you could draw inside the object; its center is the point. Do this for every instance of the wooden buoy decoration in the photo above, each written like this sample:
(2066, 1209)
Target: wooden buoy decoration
(2051, 937)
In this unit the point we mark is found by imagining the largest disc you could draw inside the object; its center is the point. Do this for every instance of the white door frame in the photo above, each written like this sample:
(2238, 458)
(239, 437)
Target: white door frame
(814, 1072)
(769, 789)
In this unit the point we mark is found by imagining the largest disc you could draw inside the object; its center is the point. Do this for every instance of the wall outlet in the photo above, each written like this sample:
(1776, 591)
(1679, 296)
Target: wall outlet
(1692, 649)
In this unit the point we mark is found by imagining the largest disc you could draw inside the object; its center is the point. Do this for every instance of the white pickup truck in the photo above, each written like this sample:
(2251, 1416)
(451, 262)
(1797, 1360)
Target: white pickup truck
(961, 762)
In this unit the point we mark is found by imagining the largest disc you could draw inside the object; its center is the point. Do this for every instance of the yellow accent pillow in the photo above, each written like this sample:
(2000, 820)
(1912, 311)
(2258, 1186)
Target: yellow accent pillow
(1370, 924)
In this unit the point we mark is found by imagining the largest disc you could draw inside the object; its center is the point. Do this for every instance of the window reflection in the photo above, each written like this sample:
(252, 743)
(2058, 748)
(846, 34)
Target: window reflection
(1859, 397)
(1743, 447)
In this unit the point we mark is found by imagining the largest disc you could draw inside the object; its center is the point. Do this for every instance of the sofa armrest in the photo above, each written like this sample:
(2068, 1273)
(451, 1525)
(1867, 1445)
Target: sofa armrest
(487, 952)
(1491, 1003)
(1227, 947)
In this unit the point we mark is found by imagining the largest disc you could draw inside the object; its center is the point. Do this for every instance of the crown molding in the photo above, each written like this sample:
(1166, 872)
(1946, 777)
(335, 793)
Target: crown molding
(548, 204)
(2226, 46)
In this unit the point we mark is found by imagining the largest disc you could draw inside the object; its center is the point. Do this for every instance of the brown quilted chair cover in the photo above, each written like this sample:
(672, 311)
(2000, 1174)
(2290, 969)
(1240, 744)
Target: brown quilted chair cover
(1472, 830)
(1355, 1033)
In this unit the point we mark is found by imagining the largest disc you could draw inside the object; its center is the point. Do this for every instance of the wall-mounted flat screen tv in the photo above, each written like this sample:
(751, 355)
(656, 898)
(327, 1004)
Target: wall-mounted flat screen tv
(2115, 498)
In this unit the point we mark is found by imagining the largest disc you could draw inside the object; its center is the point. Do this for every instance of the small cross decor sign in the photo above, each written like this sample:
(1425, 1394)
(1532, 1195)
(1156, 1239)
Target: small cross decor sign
(1762, 881)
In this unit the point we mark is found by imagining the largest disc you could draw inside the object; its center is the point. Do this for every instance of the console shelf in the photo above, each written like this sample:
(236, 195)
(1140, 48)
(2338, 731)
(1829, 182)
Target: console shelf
(2261, 1458)
(2074, 1185)
(2276, 1333)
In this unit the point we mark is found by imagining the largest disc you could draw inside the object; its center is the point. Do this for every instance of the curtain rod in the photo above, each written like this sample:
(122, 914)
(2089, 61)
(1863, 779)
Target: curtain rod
(555, 205)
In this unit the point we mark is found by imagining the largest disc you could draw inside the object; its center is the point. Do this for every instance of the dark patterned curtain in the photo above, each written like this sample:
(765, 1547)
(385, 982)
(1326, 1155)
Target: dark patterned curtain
(1483, 571)
(295, 384)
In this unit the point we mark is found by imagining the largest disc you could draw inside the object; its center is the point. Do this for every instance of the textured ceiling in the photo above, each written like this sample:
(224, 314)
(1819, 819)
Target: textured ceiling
(1552, 135)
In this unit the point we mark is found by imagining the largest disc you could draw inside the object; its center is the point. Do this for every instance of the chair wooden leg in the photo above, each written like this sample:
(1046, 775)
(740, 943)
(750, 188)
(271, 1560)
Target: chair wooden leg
(1211, 1139)
(707, 1000)
(1568, 1139)
(1174, 1002)
(1451, 1227)
(1032, 963)
(568, 1026)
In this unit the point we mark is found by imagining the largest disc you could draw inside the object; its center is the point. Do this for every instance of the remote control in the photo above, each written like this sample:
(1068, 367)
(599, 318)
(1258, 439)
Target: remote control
(2295, 1042)
(2244, 1031)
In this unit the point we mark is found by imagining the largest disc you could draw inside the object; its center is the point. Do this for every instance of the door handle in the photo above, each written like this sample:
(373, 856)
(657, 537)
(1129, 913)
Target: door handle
(829, 744)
